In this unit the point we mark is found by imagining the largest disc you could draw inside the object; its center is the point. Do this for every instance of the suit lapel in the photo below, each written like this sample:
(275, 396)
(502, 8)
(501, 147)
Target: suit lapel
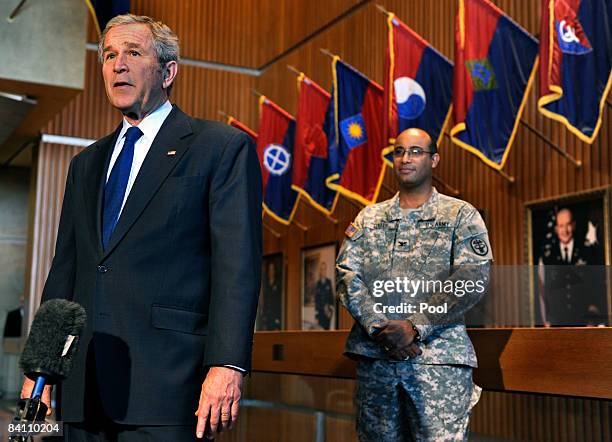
(173, 135)
(94, 184)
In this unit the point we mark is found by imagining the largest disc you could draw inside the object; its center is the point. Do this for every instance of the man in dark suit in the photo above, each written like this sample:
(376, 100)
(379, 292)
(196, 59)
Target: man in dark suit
(160, 240)
(570, 278)
(324, 299)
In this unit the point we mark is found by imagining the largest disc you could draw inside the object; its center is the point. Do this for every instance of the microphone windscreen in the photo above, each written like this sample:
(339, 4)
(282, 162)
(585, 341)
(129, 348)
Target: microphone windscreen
(53, 340)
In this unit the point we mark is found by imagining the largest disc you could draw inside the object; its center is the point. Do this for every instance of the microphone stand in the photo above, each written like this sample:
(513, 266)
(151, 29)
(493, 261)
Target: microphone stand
(29, 411)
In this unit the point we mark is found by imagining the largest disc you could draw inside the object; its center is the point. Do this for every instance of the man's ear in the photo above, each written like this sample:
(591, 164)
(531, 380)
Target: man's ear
(169, 73)
(435, 159)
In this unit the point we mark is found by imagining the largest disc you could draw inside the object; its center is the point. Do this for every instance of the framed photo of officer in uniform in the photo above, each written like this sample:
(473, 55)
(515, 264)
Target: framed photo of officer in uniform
(568, 246)
(271, 297)
(319, 306)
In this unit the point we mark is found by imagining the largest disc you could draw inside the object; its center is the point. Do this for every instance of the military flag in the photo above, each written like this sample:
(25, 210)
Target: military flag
(576, 58)
(243, 127)
(495, 62)
(357, 159)
(313, 134)
(275, 152)
(418, 85)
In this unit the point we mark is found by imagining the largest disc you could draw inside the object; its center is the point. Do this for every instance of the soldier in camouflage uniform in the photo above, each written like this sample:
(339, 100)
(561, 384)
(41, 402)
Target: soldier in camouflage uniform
(414, 373)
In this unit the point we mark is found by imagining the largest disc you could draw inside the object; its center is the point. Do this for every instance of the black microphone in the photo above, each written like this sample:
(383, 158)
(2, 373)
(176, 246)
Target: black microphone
(48, 354)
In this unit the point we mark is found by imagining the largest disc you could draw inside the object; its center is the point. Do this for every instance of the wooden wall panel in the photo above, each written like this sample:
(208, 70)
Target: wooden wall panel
(538, 170)
(242, 33)
(542, 418)
(199, 92)
(47, 191)
(501, 416)
(360, 39)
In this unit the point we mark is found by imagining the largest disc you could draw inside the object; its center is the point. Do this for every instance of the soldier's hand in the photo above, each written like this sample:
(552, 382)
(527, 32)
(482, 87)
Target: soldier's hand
(403, 354)
(397, 334)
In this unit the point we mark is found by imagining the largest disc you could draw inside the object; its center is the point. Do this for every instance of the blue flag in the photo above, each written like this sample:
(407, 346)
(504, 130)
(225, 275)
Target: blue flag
(495, 63)
(576, 57)
(356, 156)
(275, 152)
(103, 10)
(314, 139)
(418, 85)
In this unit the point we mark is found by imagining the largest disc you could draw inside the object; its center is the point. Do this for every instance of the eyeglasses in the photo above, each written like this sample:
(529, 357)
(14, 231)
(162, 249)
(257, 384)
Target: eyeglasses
(414, 151)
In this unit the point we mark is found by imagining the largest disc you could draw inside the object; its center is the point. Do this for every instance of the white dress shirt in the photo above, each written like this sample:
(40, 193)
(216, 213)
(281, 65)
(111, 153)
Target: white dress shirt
(567, 257)
(150, 126)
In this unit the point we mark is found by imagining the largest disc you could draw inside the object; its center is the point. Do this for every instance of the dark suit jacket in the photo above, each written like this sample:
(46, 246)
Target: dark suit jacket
(572, 289)
(176, 290)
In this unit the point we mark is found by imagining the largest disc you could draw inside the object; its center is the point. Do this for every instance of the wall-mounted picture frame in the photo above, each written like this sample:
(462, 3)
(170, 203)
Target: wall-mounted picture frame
(270, 311)
(318, 288)
(568, 250)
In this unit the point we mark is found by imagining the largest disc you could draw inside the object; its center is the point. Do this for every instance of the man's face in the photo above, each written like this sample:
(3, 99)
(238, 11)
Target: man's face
(322, 271)
(271, 272)
(132, 76)
(412, 171)
(565, 226)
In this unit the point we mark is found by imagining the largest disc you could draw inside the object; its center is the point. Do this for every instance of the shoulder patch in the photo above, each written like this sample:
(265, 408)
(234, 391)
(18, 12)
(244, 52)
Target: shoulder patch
(353, 232)
(479, 246)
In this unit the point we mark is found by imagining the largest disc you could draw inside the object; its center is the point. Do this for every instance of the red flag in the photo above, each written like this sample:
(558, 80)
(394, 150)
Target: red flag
(495, 62)
(313, 136)
(576, 57)
(418, 85)
(357, 156)
(275, 151)
(243, 127)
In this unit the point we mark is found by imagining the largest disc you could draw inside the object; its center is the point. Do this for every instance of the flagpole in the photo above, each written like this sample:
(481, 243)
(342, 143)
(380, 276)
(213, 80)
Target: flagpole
(438, 180)
(300, 226)
(388, 189)
(504, 175)
(446, 186)
(382, 9)
(508, 178)
(352, 202)
(15, 11)
(271, 230)
(294, 70)
(327, 52)
(329, 218)
(560, 151)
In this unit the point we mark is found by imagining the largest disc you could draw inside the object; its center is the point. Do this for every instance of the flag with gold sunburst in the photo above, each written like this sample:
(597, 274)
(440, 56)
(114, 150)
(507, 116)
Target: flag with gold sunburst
(358, 105)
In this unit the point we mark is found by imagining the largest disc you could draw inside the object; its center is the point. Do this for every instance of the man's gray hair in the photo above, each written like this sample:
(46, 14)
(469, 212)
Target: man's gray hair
(165, 41)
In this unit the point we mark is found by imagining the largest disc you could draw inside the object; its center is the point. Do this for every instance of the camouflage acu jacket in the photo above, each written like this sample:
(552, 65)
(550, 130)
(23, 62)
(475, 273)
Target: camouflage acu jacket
(442, 244)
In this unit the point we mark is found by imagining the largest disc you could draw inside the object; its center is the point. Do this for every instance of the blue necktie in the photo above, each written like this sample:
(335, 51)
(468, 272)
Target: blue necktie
(114, 191)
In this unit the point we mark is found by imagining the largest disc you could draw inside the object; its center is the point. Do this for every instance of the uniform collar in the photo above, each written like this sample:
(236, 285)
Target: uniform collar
(427, 211)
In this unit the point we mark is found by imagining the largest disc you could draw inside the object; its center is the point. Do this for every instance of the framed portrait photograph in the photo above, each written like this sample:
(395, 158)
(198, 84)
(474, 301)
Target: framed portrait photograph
(271, 297)
(319, 307)
(568, 247)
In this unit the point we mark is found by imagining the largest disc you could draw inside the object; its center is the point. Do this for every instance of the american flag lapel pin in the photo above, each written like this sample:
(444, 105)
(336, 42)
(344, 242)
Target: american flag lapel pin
(171, 153)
